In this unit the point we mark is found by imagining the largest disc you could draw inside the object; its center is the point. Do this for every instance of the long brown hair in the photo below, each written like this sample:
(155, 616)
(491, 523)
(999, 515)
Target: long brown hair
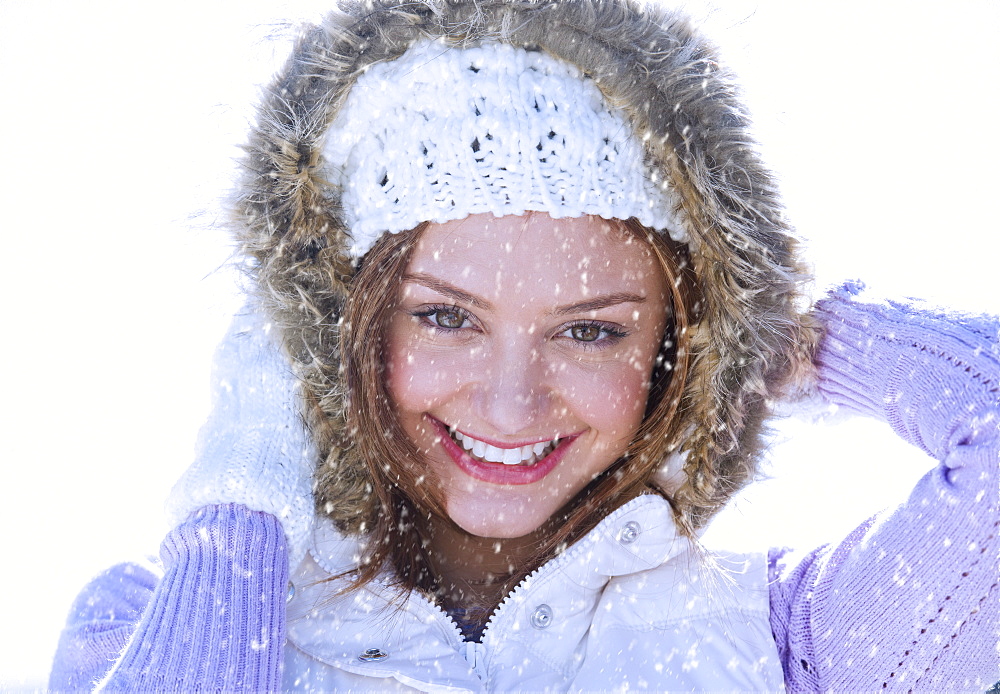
(401, 504)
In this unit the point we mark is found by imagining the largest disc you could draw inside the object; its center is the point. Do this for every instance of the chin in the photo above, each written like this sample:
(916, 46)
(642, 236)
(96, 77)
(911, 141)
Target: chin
(503, 521)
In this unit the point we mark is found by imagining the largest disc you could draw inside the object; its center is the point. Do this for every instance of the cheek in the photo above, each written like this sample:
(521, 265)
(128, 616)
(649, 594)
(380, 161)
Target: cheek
(418, 376)
(611, 400)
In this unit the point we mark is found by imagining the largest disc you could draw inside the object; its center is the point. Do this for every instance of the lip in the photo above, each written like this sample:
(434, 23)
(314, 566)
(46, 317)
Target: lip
(497, 473)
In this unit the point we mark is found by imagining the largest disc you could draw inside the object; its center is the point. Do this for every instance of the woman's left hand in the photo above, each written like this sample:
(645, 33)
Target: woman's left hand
(254, 448)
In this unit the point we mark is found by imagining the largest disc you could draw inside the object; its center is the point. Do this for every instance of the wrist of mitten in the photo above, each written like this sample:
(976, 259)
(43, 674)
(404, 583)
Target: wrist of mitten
(925, 372)
(255, 467)
(224, 535)
(852, 368)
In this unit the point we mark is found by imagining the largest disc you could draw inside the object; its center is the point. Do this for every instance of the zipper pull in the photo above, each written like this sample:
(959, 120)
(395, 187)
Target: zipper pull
(473, 653)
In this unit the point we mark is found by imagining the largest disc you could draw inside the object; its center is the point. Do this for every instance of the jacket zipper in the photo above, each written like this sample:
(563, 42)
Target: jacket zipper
(552, 565)
(475, 653)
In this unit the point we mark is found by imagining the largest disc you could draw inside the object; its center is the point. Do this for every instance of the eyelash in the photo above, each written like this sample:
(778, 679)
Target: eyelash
(612, 333)
(426, 313)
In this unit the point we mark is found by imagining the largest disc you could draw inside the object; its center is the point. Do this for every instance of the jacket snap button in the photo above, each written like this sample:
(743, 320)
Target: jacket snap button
(291, 592)
(541, 618)
(373, 654)
(629, 533)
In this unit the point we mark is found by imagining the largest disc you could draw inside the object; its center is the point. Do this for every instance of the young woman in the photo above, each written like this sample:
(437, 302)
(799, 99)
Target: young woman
(538, 296)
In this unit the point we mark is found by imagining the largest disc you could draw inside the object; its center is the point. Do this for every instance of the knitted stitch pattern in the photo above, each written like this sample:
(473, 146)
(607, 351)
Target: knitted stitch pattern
(909, 601)
(253, 449)
(440, 134)
(214, 621)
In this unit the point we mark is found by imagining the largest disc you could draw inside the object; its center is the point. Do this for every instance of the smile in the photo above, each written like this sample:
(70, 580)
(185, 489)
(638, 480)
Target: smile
(515, 465)
(519, 455)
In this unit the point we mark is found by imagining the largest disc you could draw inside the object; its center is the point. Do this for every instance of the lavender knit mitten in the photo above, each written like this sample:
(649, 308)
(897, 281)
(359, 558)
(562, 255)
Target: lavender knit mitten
(253, 449)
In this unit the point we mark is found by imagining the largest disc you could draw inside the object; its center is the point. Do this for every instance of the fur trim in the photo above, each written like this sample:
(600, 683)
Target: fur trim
(752, 337)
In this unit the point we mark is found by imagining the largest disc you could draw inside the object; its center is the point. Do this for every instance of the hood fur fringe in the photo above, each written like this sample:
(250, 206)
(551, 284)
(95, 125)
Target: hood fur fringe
(752, 338)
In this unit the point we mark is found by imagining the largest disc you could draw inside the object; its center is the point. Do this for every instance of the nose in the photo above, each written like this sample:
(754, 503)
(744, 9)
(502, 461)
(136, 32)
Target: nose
(513, 392)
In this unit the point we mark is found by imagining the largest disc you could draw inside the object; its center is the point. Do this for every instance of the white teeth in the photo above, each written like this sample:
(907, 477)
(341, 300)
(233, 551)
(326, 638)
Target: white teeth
(493, 454)
(512, 456)
(467, 441)
(523, 455)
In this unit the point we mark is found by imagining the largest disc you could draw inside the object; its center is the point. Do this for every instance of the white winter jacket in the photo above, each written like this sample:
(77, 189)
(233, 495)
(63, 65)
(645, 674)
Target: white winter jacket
(629, 605)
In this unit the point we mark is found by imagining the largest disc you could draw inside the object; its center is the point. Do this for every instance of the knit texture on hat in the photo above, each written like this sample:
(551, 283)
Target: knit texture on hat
(445, 132)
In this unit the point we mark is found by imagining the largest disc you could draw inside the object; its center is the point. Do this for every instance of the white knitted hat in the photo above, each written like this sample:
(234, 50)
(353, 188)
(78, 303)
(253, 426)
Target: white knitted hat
(444, 132)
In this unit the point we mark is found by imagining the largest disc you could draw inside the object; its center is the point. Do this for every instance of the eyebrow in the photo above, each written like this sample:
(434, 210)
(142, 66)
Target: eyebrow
(596, 304)
(442, 287)
(600, 302)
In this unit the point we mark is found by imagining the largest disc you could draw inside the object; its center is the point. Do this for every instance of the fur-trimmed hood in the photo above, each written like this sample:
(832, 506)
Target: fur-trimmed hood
(752, 337)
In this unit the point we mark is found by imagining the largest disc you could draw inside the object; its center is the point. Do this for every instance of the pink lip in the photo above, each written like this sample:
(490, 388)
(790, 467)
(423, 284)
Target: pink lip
(498, 473)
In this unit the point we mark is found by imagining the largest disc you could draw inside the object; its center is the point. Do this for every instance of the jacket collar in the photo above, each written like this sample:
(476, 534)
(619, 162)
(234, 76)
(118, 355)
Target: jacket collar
(639, 535)
(545, 619)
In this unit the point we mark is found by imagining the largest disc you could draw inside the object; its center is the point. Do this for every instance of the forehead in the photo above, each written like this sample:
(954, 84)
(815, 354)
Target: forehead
(535, 256)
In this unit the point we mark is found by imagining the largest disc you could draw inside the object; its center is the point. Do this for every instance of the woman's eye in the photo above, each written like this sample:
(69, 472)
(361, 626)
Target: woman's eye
(594, 334)
(448, 318)
(585, 333)
(444, 317)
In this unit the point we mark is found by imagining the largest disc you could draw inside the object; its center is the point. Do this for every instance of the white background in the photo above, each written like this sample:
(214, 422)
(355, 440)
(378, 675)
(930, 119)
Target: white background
(119, 126)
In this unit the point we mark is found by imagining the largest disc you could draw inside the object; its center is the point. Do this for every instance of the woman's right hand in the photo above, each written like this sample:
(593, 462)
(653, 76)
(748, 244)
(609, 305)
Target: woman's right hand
(254, 448)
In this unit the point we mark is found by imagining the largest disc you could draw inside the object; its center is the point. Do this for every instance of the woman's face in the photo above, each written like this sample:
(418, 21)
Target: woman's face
(519, 359)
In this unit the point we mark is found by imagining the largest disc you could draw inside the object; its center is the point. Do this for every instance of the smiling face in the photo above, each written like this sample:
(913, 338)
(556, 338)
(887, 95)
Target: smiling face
(518, 360)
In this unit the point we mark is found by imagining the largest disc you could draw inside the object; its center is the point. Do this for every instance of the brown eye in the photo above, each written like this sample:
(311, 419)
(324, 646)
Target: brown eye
(449, 319)
(585, 333)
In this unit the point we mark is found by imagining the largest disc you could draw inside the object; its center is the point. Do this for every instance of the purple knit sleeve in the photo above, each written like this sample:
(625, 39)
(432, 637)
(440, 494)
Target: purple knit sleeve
(910, 599)
(214, 622)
